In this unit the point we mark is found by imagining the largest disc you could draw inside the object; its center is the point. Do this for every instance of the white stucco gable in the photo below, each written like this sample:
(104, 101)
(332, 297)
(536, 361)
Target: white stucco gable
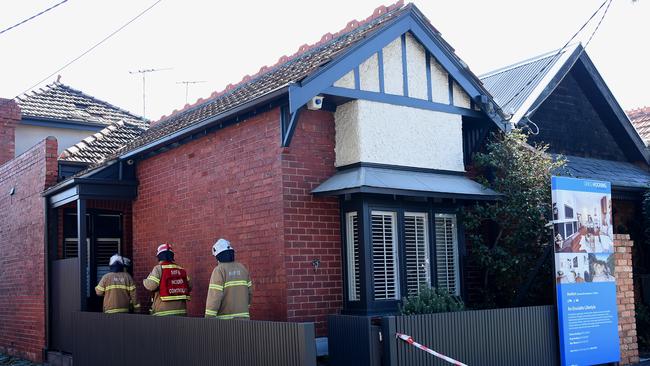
(373, 132)
(385, 72)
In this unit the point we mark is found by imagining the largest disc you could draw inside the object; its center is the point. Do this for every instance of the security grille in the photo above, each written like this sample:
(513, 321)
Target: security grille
(447, 253)
(384, 255)
(416, 243)
(354, 282)
(104, 250)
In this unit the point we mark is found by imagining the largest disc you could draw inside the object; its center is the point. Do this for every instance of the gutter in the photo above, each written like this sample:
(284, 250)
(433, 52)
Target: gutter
(178, 135)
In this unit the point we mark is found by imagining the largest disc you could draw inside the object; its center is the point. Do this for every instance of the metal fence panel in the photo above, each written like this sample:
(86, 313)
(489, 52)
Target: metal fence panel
(499, 337)
(129, 339)
(65, 299)
(353, 341)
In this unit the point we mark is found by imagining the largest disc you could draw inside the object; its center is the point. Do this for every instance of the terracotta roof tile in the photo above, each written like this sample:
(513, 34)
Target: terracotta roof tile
(63, 103)
(640, 118)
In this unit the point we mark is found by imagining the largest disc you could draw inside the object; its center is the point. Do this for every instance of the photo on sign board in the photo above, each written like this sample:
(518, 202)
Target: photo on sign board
(582, 222)
(571, 268)
(602, 267)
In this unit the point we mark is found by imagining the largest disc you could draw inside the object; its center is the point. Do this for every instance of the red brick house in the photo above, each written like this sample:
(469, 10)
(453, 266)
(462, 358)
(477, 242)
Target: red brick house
(335, 173)
(292, 166)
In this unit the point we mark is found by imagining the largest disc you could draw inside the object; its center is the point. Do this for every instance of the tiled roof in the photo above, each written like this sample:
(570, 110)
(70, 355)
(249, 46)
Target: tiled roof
(93, 149)
(620, 174)
(640, 118)
(512, 85)
(288, 69)
(63, 103)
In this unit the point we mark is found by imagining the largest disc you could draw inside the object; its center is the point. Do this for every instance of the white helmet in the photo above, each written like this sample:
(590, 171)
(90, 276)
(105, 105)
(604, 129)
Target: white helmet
(220, 246)
(116, 258)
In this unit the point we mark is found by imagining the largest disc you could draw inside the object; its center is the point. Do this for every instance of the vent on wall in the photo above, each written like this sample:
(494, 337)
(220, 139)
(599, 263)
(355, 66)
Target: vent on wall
(384, 255)
(352, 242)
(447, 267)
(416, 243)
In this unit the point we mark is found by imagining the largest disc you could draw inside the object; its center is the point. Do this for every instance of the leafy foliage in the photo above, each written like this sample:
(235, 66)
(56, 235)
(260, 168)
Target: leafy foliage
(431, 301)
(509, 238)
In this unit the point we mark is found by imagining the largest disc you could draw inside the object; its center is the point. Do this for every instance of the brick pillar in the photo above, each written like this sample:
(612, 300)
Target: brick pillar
(625, 300)
(9, 118)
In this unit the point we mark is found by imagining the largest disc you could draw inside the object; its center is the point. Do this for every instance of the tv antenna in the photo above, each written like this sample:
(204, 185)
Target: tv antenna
(144, 73)
(187, 85)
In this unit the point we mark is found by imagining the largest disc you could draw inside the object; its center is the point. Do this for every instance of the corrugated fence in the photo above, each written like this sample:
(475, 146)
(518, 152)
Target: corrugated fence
(127, 339)
(499, 337)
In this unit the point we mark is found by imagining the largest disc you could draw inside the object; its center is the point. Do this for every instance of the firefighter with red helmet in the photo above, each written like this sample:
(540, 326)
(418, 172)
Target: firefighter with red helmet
(169, 283)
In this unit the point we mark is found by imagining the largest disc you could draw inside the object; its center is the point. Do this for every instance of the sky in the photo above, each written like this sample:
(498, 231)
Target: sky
(218, 42)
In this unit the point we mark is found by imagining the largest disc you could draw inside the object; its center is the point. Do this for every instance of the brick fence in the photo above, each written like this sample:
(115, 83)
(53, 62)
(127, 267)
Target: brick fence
(22, 289)
(625, 300)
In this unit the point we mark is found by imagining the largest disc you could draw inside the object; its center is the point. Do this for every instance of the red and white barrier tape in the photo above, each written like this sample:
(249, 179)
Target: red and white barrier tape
(409, 340)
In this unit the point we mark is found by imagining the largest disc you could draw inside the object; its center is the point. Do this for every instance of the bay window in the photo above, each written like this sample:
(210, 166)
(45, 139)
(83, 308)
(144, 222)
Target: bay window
(393, 248)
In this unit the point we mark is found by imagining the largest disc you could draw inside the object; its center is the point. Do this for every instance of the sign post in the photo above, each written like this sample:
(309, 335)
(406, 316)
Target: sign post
(584, 271)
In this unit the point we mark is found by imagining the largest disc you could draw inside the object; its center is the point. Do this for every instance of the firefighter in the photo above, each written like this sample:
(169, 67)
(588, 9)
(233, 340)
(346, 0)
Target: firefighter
(117, 288)
(169, 283)
(230, 291)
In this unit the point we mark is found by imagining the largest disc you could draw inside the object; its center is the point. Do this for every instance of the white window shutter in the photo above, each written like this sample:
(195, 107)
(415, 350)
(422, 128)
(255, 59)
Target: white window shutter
(384, 255)
(447, 266)
(352, 250)
(416, 243)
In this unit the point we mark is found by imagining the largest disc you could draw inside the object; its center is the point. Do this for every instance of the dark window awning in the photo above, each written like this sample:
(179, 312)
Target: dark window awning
(622, 175)
(382, 180)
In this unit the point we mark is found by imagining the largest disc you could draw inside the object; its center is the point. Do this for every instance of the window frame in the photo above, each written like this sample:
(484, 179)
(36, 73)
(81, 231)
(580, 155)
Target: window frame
(364, 204)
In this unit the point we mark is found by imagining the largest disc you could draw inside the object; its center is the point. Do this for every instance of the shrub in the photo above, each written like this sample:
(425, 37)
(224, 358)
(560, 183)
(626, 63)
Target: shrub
(643, 326)
(431, 301)
(508, 239)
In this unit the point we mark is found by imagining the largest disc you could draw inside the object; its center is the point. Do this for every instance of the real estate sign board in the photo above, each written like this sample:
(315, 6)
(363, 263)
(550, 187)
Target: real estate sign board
(584, 271)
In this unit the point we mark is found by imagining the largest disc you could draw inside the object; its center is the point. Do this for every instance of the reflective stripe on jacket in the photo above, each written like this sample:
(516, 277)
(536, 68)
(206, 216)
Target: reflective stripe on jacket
(230, 292)
(119, 292)
(159, 307)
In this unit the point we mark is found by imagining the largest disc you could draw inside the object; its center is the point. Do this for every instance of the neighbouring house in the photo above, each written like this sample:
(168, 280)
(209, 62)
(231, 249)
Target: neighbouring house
(336, 174)
(569, 107)
(65, 113)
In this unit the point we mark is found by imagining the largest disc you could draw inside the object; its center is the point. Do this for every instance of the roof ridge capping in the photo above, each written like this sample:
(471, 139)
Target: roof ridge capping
(325, 38)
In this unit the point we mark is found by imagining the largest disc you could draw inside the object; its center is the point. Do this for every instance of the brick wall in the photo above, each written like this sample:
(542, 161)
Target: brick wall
(311, 224)
(569, 123)
(625, 300)
(9, 118)
(226, 184)
(22, 289)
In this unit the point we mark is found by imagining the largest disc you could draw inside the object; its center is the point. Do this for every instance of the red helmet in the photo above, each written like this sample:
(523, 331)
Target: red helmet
(164, 248)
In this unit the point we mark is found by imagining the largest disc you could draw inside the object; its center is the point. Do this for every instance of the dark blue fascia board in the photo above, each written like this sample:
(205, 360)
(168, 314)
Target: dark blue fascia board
(299, 94)
(288, 135)
(94, 189)
(614, 105)
(216, 120)
(401, 100)
(57, 123)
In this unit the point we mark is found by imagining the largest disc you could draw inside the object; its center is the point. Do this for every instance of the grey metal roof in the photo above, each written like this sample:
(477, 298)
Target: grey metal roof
(382, 180)
(620, 174)
(60, 102)
(512, 85)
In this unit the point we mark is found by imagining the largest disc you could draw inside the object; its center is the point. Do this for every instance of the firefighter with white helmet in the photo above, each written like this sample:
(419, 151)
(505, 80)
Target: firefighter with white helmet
(169, 283)
(230, 291)
(117, 288)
